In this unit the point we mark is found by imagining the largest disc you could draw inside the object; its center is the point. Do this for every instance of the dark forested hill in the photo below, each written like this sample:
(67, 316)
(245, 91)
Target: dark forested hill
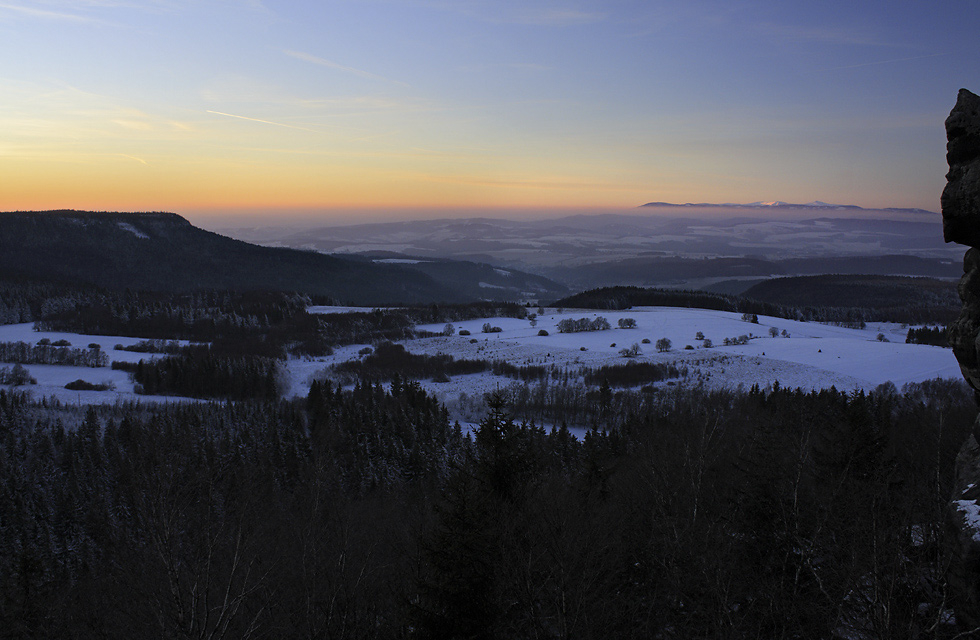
(828, 298)
(870, 291)
(164, 252)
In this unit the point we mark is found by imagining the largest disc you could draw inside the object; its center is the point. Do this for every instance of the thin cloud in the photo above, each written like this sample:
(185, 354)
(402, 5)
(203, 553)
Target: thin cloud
(558, 17)
(306, 57)
(277, 124)
(45, 14)
(140, 160)
(552, 184)
(872, 64)
(817, 34)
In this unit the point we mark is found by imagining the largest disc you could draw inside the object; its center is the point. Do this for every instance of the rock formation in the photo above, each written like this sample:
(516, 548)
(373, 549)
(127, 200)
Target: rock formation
(961, 223)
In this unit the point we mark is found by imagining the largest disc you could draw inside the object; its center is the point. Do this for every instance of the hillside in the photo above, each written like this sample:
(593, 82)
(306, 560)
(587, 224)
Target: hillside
(476, 280)
(164, 252)
(885, 294)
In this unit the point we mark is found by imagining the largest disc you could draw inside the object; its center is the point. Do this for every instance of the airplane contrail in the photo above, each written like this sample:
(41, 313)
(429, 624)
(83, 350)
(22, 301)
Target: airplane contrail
(277, 124)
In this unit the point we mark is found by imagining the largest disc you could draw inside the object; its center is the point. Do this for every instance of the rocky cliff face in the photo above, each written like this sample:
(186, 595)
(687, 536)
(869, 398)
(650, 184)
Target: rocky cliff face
(961, 224)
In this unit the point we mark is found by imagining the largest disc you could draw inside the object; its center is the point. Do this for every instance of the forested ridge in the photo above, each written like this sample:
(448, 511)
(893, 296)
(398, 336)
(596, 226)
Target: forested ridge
(842, 299)
(363, 513)
(163, 252)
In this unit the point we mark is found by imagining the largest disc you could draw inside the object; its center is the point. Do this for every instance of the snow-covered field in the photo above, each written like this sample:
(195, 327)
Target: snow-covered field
(51, 379)
(813, 356)
(332, 309)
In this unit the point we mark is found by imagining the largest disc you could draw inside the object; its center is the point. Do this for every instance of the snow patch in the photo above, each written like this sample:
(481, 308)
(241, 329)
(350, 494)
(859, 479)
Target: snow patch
(125, 226)
(971, 515)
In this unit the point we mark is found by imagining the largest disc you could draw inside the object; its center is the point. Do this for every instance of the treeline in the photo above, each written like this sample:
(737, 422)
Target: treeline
(631, 374)
(910, 312)
(259, 323)
(570, 325)
(882, 298)
(16, 376)
(620, 298)
(198, 372)
(391, 361)
(936, 336)
(25, 299)
(365, 514)
(151, 346)
(245, 322)
(27, 353)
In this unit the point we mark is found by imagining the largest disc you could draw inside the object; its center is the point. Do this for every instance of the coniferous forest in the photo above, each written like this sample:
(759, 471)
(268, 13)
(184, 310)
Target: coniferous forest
(363, 513)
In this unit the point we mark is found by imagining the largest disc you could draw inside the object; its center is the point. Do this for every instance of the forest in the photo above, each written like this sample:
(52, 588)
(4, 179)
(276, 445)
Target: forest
(842, 299)
(363, 513)
(650, 509)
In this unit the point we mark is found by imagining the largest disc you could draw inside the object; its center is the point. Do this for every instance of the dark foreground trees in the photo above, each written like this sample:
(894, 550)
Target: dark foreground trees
(364, 513)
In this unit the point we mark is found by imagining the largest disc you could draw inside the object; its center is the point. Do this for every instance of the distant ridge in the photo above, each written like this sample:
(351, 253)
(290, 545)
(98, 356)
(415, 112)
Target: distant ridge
(777, 204)
(164, 252)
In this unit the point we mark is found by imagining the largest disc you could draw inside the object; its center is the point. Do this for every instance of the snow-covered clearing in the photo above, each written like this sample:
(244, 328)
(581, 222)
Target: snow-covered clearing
(51, 379)
(330, 309)
(813, 356)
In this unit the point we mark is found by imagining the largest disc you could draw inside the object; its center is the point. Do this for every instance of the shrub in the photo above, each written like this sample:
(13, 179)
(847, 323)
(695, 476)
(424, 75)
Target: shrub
(645, 340)
(631, 352)
(627, 323)
(464, 332)
(489, 328)
(542, 333)
(82, 385)
(663, 345)
(689, 347)
(707, 344)
(60, 343)
(699, 335)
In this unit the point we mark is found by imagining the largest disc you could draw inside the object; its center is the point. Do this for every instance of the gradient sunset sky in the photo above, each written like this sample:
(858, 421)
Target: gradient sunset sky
(207, 107)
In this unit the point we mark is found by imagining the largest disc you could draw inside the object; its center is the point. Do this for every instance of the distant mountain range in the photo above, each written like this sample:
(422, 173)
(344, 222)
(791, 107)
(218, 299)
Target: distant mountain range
(162, 251)
(816, 205)
(659, 244)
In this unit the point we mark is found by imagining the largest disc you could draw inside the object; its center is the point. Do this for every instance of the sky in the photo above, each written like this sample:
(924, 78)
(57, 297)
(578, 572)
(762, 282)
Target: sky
(366, 109)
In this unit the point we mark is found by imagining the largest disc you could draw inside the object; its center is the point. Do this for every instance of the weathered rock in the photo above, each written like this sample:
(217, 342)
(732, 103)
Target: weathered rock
(963, 535)
(961, 223)
(961, 197)
(964, 332)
